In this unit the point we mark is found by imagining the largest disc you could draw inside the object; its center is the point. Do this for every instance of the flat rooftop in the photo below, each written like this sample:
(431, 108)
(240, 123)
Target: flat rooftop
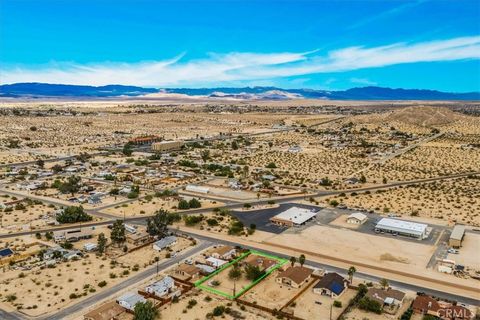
(296, 215)
(389, 223)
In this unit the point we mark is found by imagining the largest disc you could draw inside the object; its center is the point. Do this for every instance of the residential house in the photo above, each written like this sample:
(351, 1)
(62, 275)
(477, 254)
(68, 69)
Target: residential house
(205, 269)
(5, 252)
(161, 288)
(223, 252)
(164, 243)
(130, 299)
(214, 262)
(332, 285)
(427, 305)
(187, 271)
(295, 276)
(263, 263)
(387, 297)
(107, 311)
(90, 246)
(138, 238)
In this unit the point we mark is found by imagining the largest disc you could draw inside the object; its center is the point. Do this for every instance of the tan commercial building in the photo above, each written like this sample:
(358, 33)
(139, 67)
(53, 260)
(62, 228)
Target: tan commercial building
(167, 146)
(456, 237)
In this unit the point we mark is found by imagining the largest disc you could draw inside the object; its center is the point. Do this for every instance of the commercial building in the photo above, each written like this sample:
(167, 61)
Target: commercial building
(357, 218)
(401, 227)
(456, 237)
(164, 146)
(293, 216)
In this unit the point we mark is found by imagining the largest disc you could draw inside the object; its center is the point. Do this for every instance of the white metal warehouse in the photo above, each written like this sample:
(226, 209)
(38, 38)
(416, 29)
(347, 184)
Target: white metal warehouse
(401, 227)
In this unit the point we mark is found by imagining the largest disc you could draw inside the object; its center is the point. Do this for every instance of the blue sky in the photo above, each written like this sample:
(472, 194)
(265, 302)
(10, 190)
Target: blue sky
(292, 44)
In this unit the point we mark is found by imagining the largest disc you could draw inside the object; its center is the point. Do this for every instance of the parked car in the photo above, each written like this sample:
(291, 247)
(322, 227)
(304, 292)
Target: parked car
(453, 251)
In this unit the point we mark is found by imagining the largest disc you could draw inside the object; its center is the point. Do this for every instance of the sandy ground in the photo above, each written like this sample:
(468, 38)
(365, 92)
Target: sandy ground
(306, 307)
(270, 294)
(45, 290)
(179, 311)
(358, 246)
(454, 200)
(32, 217)
(469, 253)
(227, 285)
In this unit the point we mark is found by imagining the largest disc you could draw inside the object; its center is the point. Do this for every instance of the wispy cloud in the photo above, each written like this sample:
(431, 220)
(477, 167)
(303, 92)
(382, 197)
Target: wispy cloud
(243, 67)
(363, 81)
(386, 14)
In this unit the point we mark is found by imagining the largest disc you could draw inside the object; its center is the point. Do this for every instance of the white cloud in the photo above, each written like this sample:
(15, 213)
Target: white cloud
(363, 81)
(234, 67)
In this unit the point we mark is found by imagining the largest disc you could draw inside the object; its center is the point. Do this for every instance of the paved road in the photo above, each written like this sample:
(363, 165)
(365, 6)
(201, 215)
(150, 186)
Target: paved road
(82, 305)
(232, 206)
(364, 276)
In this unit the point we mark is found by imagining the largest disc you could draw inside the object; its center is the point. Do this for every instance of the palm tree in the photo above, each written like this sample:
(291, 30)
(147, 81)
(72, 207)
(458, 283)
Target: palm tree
(351, 272)
(293, 260)
(301, 259)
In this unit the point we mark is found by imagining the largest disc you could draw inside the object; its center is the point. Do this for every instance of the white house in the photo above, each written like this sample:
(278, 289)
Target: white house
(223, 252)
(164, 243)
(90, 246)
(130, 299)
(216, 263)
(162, 287)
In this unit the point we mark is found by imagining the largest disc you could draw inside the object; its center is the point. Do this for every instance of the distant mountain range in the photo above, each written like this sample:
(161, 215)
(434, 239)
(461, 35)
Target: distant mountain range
(42, 90)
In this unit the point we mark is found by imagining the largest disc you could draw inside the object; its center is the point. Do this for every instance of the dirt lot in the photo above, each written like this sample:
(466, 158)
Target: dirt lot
(269, 293)
(454, 200)
(226, 284)
(469, 253)
(306, 308)
(27, 215)
(394, 253)
(205, 304)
